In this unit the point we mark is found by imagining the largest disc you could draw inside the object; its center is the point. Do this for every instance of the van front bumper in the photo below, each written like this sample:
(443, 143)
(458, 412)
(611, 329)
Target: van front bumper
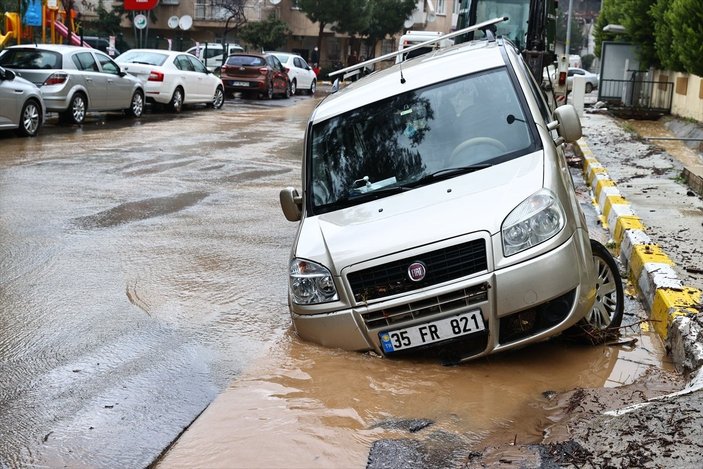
(521, 304)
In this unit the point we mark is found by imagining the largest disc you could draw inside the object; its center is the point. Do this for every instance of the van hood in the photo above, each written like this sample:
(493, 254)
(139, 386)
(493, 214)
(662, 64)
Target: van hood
(474, 202)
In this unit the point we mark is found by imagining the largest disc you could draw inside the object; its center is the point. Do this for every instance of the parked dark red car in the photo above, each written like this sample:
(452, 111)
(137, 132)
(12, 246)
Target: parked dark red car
(260, 74)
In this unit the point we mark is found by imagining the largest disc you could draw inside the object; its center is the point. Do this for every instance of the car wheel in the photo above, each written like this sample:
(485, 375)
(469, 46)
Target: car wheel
(30, 119)
(75, 114)
(313, 87)
(293, 87)
(603, 320)
(589, 87)
(219, 99)
(176, 103)
(136, 107)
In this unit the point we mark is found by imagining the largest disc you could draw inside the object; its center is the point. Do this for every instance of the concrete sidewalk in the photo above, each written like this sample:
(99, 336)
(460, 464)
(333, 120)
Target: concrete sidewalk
(655, 220)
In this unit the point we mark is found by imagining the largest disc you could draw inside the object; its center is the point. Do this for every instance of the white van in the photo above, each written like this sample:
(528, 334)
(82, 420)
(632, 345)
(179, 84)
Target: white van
(413, 38)
(438, 215)
(211, 54)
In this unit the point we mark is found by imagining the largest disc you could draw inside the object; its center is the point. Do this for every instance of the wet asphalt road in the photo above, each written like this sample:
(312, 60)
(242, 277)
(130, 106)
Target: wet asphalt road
(142, 266)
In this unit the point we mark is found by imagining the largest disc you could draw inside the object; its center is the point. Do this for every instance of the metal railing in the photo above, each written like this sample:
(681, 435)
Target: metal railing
(653, 96)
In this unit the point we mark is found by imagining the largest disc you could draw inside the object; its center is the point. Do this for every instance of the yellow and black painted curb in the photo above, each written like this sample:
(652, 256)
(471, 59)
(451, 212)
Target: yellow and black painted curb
(650, 270)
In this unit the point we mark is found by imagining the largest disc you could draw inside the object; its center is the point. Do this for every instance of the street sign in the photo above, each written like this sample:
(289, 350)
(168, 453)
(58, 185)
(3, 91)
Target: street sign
(140, 21)
(141, 5)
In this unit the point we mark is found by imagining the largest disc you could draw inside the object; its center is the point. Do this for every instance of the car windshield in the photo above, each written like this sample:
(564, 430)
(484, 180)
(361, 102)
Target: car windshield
(142, 57)
(417, 138)
(246, 61)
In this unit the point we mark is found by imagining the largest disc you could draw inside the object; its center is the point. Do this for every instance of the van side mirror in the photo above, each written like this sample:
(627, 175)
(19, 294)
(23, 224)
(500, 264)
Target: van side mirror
(291, 203)
(567, 124)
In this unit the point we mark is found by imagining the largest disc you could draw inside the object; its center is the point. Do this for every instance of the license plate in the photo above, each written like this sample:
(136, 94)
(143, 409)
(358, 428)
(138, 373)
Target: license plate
(435, 331)
(239, 83)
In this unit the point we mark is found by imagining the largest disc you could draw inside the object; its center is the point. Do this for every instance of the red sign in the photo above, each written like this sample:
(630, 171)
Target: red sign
(140, 4)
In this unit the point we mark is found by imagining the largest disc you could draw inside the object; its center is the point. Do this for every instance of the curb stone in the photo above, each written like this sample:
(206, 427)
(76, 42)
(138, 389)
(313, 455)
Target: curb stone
(669, 303)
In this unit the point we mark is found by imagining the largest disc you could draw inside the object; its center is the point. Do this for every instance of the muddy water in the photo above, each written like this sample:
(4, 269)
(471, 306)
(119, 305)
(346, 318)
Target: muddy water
(306, 406)
(142, 266)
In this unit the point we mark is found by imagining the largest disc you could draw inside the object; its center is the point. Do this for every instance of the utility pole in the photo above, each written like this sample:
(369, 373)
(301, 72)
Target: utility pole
(568, 29)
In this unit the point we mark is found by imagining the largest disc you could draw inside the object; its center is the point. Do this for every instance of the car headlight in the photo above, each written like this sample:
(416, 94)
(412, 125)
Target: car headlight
(537, 219)
(310, 283)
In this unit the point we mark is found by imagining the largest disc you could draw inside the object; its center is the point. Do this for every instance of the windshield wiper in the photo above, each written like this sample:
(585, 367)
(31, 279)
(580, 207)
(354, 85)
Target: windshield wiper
(447, 173)
(354, 198)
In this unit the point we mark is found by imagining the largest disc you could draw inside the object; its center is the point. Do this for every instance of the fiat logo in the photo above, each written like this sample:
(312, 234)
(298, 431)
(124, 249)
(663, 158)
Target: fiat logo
(417, 271)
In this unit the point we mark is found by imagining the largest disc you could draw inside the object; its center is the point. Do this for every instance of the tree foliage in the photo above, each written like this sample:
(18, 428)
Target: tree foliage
(685, 18)
(270, 34)
(664, 37)
(386, 18)
(668, 33)
(372, 20)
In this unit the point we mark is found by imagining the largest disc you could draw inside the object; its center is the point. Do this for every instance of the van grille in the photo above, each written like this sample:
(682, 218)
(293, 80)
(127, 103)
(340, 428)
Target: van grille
(442, 265)
(454, 302)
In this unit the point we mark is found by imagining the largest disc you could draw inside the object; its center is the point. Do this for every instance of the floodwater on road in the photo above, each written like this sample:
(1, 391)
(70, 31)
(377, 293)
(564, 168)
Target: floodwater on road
(142, 267)
(143, 273)
(305, 406)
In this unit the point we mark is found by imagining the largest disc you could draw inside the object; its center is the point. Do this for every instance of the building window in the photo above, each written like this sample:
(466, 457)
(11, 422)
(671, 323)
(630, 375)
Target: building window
(457, 5)
(208, 10)
(441, 8)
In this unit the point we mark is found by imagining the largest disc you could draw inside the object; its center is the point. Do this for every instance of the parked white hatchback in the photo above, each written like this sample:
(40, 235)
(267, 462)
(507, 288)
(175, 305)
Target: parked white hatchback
(438, 215)
(302, 78)
(173, 78)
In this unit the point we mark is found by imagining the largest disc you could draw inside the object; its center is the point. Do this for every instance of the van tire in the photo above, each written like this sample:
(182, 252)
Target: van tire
(602, 323)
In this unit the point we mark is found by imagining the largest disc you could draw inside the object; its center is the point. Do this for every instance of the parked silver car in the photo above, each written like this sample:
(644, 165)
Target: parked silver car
(21, 104)
(438, 214)
(74, 80)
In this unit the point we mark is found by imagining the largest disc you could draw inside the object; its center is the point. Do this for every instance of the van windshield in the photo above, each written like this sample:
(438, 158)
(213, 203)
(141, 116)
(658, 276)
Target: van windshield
(417, 138)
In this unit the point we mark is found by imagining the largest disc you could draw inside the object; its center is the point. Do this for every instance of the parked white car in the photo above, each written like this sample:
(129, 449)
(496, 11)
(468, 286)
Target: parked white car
(302, 78)
(438, 215)
(173, 78)
(21, 104)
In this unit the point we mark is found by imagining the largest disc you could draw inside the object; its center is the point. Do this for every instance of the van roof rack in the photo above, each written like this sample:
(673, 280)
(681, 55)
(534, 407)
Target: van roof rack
(391, 55)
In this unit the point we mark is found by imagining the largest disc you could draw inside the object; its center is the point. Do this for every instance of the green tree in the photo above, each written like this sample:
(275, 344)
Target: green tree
(639, 29)
(269, 34)
(324, 12)
(687, 43)
(611, 12)
(386, 19)
(107, 22)
(664, 37)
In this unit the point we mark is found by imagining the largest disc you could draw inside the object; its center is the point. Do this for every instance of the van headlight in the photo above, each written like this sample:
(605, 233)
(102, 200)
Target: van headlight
(537, 219)
(310, 283)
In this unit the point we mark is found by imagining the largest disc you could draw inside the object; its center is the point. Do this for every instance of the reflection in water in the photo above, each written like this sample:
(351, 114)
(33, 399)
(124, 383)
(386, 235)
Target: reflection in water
(307, 406)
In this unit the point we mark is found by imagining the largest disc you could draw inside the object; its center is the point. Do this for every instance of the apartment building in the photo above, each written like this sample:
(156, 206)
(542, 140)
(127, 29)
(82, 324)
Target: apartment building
(183, 23)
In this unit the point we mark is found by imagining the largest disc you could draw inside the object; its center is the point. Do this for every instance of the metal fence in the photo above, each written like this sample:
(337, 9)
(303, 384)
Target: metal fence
(653, 96)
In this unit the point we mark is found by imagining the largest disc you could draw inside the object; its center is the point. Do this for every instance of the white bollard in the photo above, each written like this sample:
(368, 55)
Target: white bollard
(578, 91)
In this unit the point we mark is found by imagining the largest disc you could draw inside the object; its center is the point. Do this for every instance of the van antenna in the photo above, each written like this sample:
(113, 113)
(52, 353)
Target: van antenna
(402, 78)
(432, 41)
